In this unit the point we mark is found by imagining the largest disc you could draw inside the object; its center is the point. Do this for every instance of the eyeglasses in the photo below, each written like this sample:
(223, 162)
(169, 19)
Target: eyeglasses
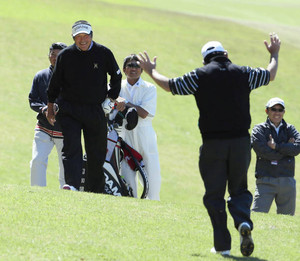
(133, 65)
(277, 110)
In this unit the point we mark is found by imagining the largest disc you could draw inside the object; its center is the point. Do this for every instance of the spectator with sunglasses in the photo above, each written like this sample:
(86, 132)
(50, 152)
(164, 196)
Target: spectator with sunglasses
(276, 143)
(141, 95)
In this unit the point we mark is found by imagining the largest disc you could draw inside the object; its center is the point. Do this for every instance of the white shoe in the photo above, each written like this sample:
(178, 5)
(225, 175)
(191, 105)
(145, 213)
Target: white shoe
(247, 245)
(223, 253)
(68, 187)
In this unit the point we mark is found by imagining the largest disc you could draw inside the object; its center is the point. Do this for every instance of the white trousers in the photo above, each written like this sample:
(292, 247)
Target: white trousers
(154, 178)
(143, 140)
(41, 149)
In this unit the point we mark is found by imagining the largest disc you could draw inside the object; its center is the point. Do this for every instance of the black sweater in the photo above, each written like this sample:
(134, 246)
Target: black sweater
(81, 76)
(221, 90)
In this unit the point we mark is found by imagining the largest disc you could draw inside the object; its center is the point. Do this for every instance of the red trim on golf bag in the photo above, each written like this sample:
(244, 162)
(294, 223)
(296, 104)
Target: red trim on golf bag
(128, 157)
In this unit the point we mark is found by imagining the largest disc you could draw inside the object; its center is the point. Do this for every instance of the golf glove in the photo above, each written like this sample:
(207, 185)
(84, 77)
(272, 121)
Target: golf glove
(107, 106)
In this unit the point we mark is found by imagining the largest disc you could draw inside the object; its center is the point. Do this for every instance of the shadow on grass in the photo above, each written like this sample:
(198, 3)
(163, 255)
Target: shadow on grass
(233, 257)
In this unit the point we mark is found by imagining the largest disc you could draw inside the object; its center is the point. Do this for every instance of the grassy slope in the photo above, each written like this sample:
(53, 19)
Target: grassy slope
(29, 28)
(175, 38)
(260, 15)
(43, 224)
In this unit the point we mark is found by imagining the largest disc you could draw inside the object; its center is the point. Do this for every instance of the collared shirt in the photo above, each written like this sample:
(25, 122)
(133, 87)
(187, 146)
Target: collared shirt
(142, 94)
(91, 45)
(132, 88)
(276, 128)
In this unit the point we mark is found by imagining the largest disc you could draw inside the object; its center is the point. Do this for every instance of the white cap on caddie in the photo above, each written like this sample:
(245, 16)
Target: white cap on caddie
(211, 47)
(275, 101)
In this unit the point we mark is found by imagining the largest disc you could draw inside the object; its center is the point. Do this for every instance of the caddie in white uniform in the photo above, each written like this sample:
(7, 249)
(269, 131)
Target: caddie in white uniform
(142, 96)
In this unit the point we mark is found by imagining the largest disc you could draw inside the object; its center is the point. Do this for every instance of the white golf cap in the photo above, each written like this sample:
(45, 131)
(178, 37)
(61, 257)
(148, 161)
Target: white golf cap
(275, 101)
(211, 47)
(81, 28)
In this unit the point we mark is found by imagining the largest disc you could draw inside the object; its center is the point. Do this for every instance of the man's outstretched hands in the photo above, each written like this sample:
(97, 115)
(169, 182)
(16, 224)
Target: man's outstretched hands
(274, 45)
(150, 68)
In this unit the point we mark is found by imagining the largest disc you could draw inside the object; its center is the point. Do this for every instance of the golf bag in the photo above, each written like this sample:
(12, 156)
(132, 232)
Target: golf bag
(118, 150)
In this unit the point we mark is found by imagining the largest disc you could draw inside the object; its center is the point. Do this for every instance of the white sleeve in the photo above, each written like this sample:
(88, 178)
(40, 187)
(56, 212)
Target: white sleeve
(149, 100)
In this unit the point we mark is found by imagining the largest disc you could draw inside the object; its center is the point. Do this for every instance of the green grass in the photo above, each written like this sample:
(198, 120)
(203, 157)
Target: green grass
(44, 224)
(48, 224)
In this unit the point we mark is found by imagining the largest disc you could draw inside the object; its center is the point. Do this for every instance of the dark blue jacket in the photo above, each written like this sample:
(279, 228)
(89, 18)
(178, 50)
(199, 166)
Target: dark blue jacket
(281, 161)
(38, 99)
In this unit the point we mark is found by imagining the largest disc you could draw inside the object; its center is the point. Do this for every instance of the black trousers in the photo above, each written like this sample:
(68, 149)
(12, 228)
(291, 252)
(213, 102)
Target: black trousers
(225, 162)
(89, 119)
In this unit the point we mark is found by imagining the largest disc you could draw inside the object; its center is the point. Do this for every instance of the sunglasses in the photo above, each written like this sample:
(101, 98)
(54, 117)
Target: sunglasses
(133, 65)
(277, 110)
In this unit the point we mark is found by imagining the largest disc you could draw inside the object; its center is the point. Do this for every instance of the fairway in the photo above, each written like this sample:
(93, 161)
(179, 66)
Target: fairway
(177, 227)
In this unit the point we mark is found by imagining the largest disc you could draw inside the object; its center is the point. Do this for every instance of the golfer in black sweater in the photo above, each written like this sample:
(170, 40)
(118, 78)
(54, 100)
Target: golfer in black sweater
(222, 93)
(79, 82)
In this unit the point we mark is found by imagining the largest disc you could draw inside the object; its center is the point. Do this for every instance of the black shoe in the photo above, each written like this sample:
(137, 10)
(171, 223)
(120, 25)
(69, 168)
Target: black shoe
(247, 245)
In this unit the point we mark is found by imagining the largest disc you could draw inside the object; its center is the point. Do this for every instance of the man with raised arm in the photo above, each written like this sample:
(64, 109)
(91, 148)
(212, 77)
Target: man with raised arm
(221, 90)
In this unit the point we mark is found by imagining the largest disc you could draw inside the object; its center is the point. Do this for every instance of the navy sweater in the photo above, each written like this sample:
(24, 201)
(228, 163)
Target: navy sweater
(38, 99)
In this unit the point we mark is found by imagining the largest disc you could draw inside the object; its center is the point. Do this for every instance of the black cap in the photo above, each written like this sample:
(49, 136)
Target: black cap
(131, 115)
(132, 118)
(58, 46)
